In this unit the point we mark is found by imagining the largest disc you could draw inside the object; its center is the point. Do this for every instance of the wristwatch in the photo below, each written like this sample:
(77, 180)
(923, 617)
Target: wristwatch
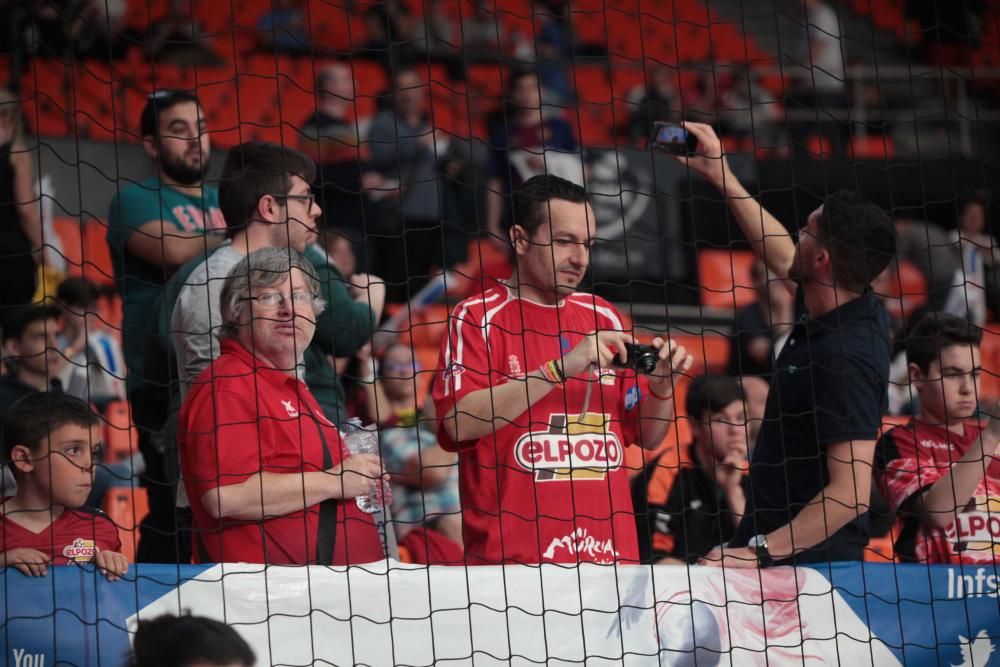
(759, 545)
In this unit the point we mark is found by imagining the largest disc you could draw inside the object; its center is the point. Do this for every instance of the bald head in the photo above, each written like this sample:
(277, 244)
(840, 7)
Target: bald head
(336, 81)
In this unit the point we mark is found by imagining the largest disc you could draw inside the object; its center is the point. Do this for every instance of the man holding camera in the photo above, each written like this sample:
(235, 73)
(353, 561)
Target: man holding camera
(811, 468)
(540, 393)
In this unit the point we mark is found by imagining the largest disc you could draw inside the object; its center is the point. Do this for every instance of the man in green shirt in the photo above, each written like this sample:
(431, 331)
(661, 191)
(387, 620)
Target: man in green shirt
(154, 227)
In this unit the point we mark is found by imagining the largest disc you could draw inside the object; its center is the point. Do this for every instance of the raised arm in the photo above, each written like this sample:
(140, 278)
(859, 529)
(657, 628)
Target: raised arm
(769, 238)
(949, 495)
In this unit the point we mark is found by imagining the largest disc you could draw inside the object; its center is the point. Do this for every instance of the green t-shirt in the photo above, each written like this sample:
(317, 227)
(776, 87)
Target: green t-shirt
(139, 282)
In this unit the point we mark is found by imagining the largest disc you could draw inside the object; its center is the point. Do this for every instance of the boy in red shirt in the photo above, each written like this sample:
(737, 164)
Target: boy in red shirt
(940, 473)
(50, 441)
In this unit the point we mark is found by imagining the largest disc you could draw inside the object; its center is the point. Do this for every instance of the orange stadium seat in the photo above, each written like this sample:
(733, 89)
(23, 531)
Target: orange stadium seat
(120, 436)
(990, 361)
(127, 507)
(725, 277)
(85, 249)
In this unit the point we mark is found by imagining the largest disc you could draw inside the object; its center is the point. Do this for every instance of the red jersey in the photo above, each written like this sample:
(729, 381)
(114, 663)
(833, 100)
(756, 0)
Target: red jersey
(910, 460)
(551, 485)
(75, 537)
(240, 419)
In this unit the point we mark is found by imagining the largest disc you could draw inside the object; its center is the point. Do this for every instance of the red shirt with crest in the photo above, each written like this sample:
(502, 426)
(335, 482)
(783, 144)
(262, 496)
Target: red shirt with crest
(909, 460)
(72, 538)
(240, 419)
(550, 486)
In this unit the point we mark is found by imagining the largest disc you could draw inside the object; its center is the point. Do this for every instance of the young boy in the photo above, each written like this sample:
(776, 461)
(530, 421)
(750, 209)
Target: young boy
(938, 472)
(50, 441)
(691, 509)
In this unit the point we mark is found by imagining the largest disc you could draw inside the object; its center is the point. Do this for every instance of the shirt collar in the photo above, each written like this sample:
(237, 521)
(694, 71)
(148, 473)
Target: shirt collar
(272, 375)
(861, 306)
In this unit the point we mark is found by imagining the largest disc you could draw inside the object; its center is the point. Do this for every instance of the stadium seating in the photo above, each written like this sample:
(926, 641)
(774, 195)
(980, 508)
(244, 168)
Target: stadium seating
(725, 278)
(85, 249)
(127, 507)
(120, 435)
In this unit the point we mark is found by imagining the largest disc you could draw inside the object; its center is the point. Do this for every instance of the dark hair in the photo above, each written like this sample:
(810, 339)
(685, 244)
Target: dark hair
(934, 332)
(711, 393)
(17, 320)
(33, 418)
(157, 103)
(255, 169)
(531, 202)
(77, 293)
(860, 236)
(178, 641)
(980, 197)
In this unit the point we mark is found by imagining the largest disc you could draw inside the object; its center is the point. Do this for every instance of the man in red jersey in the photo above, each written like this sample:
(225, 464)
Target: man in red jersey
(533, 403)
(940, 473)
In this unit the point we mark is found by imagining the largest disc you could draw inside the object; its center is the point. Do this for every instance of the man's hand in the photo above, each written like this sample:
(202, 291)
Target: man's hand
(674, 358)
(597, 348)
(736, 557)
(710, 160)
(357, 473)
(29, 562)
(111, 564)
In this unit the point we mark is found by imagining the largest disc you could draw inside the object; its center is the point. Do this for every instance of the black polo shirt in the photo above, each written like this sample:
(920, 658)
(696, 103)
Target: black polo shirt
(829, 385)
(693, 519)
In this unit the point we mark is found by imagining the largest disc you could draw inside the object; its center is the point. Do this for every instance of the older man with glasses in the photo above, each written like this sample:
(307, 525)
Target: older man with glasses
(267, 473)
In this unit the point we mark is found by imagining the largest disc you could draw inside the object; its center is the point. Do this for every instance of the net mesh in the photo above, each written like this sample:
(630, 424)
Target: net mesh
(422, 119)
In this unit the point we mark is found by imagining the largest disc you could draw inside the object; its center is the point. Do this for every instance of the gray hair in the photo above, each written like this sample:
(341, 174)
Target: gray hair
(262, 268)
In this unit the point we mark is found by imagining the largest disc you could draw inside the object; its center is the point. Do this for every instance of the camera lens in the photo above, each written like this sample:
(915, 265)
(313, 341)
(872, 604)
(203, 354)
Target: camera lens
(646, 362)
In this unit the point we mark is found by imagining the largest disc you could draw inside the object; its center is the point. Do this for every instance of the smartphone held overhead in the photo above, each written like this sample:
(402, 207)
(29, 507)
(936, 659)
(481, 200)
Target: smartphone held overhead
(673, 138)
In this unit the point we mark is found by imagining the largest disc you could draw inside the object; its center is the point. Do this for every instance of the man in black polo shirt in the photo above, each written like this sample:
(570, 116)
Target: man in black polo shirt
(810, 473)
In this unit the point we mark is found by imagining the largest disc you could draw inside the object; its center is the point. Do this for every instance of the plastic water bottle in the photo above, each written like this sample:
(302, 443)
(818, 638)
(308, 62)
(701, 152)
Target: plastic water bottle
(362, 440)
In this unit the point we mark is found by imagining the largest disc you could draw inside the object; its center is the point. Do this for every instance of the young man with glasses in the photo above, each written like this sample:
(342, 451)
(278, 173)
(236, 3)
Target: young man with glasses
(268, 202)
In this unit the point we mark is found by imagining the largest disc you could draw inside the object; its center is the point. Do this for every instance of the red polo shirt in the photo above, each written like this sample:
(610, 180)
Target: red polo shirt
(75, 537)
(239, 419)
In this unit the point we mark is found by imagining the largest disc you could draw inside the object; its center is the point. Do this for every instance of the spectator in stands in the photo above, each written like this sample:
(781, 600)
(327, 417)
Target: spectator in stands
(483, 34)
(689, 511)
(511, 393)
(747, 109)
(46, 33)
(155, 227)
(282, 29)
(344, 162)
(30, 353)
(265, 470)
(20, 210)
(424, 476)
(935, 254)
(810, 474)
(189, 641)
(403, 150)
(178, 38)
(763, 326)
(50, 441)
(96, 28)
(979, 254)
(820, 50)
(525, 144)
(552, 51)
(656, 102)
(940, 472)
(438, 39)
(96, 368)
(268, 203)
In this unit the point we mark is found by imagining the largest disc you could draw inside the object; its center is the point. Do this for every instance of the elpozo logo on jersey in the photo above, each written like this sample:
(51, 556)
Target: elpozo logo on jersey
(574, 447)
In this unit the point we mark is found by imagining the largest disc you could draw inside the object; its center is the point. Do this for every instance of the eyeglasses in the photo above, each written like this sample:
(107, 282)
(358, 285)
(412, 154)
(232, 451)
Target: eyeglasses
(276, 299)
(401, 367)
(310, 198)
